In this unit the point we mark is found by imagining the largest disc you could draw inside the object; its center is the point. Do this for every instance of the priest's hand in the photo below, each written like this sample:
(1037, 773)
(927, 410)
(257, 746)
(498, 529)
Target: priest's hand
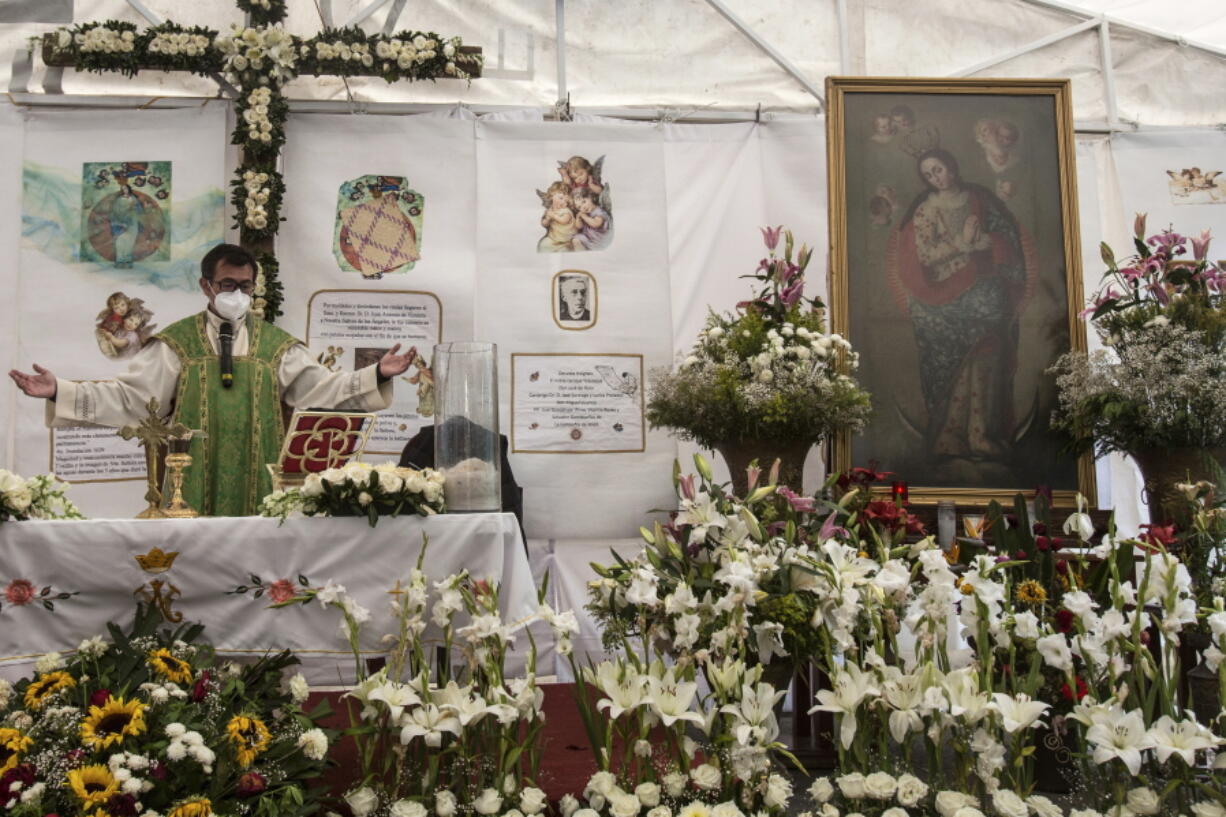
(41, 384)
(392, 364)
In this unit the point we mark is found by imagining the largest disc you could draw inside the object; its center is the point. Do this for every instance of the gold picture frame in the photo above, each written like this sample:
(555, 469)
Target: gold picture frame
(955, 272)
(592, 300)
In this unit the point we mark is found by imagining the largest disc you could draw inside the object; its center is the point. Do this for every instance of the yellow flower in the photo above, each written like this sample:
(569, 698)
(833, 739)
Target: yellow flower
(169, 667)
(47, 685)
(12, 744)
(93, 785)
(1030, 592)
(250, 737)
(967, 588)
(196, 807)
(109, 724)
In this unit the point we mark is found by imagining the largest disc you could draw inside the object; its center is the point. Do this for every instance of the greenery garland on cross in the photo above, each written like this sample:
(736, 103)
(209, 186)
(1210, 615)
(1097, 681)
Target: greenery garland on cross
(257, 60)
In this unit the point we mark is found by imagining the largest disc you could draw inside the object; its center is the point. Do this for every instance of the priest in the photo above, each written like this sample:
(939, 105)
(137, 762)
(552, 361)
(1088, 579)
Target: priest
(234, 395)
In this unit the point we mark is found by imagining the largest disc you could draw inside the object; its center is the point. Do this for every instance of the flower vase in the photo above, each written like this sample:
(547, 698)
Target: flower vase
(790, 453)
(466, 440)
(1162, 468)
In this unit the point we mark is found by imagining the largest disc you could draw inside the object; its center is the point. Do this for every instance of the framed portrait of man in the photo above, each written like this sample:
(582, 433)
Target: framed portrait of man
(574, 299)
(955, 274)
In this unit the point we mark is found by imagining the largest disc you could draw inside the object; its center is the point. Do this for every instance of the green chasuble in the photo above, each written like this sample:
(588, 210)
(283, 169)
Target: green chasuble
(243, 424)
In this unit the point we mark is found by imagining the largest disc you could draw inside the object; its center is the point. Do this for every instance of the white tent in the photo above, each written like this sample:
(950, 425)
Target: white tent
(1141, 71)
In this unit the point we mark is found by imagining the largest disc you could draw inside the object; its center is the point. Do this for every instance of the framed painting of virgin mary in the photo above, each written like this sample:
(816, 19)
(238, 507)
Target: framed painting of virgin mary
(955, 272)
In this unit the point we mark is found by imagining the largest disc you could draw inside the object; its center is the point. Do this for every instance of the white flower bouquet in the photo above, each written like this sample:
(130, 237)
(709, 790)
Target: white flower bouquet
(360, 489)
(39, 497)
(444, 737)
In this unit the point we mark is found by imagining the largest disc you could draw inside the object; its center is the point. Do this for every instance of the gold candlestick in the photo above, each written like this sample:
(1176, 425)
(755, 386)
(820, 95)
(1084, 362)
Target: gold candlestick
(178, 507)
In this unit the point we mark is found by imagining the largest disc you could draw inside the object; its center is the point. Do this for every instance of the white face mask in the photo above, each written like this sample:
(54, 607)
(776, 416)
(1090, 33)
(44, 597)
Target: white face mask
(232, 305)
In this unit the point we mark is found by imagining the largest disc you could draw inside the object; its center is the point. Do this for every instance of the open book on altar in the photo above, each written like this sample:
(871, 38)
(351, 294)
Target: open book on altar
(318, 440)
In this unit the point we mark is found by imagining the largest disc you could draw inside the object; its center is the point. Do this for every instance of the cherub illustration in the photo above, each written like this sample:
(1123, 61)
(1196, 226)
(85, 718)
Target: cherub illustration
(581, 174)
(997, 138)
(625, 383)
(558, 220)
(883, 129)
(123, 327)
(595, 223)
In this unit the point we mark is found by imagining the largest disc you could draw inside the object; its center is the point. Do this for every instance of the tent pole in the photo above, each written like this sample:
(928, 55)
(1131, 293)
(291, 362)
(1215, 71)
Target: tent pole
(1035, 45)
(1104, 49)
(560, 22)
(767, 48)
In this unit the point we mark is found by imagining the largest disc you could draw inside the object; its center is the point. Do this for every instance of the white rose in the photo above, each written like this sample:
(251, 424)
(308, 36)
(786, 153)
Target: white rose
(852, 785)
(1208, 809)
(706, 776)
(1040, 806)
(623, 805)
(444, 804)
(587, 812)
(532, 800)
(949, 802)
(363, 801)
(568, 805)
(660, 811)
(1008, 804)
(822, 790)
(489, 802)
(969, 811)
(778, 791)
(674, 784)
(1143, 800)
(728, 809)
(880, 786)
(895, 812)
(602, 783)
(911, 790)
(408, 808)
(648, 794)
(364, 499)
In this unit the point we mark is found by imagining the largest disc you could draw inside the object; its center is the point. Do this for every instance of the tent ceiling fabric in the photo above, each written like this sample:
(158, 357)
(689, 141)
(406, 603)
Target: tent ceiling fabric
(683, 56)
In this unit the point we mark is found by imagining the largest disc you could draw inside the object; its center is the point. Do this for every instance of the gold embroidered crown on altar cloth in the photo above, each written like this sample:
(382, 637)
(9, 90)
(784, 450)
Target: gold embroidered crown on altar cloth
(157, 560)
(921, 140)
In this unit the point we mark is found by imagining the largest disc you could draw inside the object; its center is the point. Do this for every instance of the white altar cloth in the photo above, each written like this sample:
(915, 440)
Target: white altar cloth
(96, 560)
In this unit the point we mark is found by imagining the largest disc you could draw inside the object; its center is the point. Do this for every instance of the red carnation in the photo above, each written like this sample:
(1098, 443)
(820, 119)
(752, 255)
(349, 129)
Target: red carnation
(202, 687)
(100, 697)
(1064, 620)
(1043, 543)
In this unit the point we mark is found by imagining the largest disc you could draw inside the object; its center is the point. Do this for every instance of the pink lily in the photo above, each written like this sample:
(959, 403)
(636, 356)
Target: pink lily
(801, 504)
(752, 473)
(1104, 297)
(1138, 225)
(772, 236)
(792, 294)
(1200, 246)
(1167, 238)
(829, 529)
(687, 486)
(1160, 294)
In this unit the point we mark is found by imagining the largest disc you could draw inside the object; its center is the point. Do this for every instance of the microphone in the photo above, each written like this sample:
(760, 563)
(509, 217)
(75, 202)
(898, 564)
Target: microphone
(225, 335)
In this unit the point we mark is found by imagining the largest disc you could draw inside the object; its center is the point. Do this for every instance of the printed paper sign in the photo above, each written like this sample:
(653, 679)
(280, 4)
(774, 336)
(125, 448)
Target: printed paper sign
(577, 404)
(90, 454)
(352, 328)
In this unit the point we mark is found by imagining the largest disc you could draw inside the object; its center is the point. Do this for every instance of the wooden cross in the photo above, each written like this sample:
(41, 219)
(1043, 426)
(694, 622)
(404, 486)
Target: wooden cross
(153, 432)
(252, 65)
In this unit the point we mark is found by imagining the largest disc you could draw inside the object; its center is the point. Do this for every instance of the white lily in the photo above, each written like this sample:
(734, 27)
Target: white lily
(850, 688)
(625, 692)
(429, 722)
(396, 697)
(1123, 736)
(671, 699)
(1183, 738)
(1079, 524)
(1018, 712)
(755, 713)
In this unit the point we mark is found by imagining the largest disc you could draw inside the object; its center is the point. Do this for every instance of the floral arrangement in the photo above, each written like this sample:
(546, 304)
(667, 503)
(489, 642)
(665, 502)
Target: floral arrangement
(146, 723)
(359, 489)
(410, 55)
(1162, 317)
(39, 497)
(444, 737)
(769, 371)
(961, 676)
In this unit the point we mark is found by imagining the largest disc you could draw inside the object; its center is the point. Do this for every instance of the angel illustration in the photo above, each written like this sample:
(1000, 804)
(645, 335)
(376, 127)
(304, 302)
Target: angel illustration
(582, 219)
(329, 358)
(625, 383)
(423, 379)
(123, 327)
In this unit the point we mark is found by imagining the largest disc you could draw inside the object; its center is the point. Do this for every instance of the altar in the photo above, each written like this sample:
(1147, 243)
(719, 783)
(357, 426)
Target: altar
(62, 581)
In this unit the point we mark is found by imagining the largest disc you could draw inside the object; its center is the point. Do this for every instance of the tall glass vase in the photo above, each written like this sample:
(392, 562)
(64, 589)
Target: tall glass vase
(466, 441)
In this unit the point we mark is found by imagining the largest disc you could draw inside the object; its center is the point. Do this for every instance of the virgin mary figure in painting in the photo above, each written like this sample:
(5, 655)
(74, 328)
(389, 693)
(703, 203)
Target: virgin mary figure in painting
(961, 267)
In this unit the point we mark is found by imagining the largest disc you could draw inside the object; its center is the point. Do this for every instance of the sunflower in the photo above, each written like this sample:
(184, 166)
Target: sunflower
(109, 724)
(250, 737)
(1030, 592)
(195, 807)
(12, 744)
(47, 685)
(93, 785)
(169, 667)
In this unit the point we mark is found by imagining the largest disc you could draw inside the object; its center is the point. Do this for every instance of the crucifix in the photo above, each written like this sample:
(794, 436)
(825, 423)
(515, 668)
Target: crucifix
(251, 65)
(153, 432)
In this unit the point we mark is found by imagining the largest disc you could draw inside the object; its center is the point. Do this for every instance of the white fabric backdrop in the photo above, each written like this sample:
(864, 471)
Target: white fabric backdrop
(12, 134)
(59, 297)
